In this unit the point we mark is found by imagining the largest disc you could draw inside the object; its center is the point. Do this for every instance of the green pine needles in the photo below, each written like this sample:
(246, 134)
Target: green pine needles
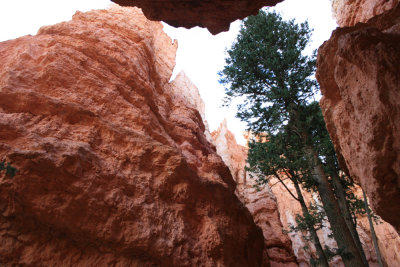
(266, 66)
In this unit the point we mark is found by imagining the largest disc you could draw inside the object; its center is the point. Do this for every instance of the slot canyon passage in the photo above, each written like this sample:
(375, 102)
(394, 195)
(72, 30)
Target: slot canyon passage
(117, 167)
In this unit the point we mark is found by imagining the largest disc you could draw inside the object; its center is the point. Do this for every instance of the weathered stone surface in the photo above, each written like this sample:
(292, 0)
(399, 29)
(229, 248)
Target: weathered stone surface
(261, 203)
(350, 12)
(359, 73)
(216, 15)
(114, 168)
(263, 206)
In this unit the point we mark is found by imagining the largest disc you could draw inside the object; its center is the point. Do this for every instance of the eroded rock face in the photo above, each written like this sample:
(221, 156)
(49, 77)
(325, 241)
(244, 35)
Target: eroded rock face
(114, 167)
(350, 12)
(261, 203)
(216, 15)
(359, 73)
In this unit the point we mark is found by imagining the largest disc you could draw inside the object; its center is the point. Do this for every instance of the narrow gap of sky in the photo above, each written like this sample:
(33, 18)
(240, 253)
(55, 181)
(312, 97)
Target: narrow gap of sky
(200, 55)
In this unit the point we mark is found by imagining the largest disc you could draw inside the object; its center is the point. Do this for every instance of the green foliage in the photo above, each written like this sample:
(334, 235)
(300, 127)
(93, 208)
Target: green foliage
(316, 218)
(318, 136)
(281, 154)
(357, 206)
(266, 67)
(332, 252)
(10, 170)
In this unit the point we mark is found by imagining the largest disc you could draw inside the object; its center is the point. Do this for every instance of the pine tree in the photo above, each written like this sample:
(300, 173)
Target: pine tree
(267, 69)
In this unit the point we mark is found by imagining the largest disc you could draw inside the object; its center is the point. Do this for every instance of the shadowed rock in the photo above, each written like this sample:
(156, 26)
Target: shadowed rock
(216, 16)
(261, 202)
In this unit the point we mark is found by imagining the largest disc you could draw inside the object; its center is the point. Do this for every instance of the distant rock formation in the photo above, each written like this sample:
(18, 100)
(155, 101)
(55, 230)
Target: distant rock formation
(388, 239)
(114, 166)
(261, 203)
(274, 210)
(359, 73)
(215, 15)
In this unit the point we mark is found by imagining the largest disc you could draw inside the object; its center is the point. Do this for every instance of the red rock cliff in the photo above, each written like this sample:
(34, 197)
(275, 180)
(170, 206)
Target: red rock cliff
(114, 168)
(262, 203)
(214, 15)
(359, 73)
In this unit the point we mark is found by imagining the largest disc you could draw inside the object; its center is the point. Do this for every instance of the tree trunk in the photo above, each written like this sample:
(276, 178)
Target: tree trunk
(371, 226)
(323, 261)
(349, 252)
(344, 208)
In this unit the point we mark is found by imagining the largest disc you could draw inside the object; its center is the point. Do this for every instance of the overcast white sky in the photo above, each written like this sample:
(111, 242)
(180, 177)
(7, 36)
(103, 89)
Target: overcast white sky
(200, 55)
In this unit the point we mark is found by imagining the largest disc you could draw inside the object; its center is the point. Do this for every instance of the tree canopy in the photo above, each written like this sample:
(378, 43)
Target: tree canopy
(266, 66)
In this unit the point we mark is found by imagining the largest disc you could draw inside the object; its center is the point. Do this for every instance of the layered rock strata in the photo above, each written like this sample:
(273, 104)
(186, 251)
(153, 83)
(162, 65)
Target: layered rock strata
(114, 167)
(261, 202)
(359, 73)
(216, 15)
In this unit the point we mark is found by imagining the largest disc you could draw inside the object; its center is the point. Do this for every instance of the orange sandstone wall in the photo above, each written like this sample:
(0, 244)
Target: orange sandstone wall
(359, 73)
(349, 12)
(261, 203)
(114, 166)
